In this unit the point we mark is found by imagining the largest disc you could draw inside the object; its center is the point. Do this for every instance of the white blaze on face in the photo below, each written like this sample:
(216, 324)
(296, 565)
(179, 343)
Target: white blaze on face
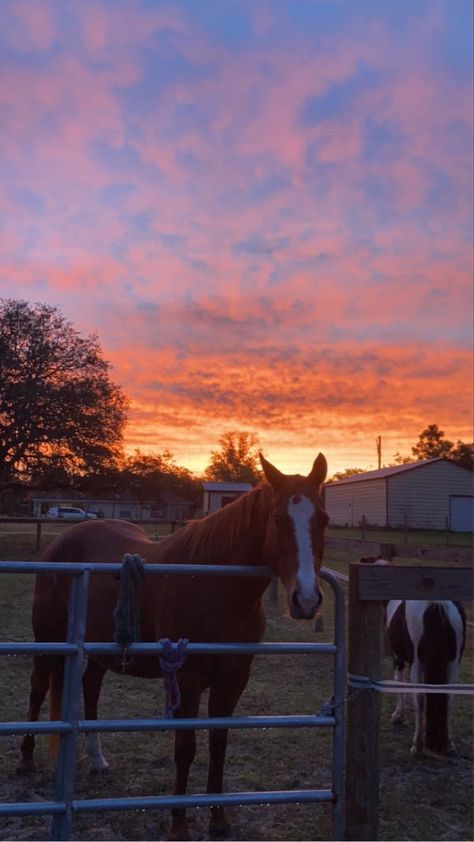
(301, 510)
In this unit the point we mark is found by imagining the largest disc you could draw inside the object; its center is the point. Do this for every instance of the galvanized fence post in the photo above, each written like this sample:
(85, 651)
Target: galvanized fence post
(71, 705)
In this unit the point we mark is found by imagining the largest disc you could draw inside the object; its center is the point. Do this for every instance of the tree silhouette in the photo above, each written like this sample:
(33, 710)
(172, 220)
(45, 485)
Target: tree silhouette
(59, 411)
(236, 460)
(431, 444)
(346, 473)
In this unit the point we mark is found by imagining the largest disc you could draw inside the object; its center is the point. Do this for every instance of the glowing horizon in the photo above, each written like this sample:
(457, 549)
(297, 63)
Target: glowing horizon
(264, 211)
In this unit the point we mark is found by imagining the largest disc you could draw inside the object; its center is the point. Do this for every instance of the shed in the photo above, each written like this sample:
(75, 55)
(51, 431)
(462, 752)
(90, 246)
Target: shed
(219, 494)
(431, 494)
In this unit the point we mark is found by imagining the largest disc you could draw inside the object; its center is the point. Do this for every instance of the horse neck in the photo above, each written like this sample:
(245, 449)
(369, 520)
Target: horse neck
(232, 535)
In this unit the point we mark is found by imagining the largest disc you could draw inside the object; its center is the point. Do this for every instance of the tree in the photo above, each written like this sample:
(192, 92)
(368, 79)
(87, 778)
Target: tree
(149, 476)
(348, 472)
(431, 444)
(59, 410)
(237, 459)
(398, 459)
(463, 454)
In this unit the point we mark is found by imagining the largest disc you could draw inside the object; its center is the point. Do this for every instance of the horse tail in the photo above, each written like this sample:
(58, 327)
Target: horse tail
(55, 699)
(436, 649)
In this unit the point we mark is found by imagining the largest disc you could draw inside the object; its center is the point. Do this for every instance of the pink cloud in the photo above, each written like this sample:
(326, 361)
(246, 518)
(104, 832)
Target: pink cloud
(245, 266)
(34, 25)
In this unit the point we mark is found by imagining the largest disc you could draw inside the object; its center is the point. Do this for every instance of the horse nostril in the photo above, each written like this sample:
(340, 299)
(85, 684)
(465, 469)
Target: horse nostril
(294, 600)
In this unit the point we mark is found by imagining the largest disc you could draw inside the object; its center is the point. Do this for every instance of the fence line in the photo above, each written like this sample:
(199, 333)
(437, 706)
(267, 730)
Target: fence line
(363, 682)
(369, 587)
(65, 805)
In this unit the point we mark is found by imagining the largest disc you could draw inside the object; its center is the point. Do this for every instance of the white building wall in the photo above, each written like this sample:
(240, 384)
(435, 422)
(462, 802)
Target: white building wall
(422, 494)
(348, 503)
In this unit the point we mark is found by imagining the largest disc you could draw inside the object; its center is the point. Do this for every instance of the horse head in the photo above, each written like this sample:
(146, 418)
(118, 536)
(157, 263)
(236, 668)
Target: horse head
(295, 535)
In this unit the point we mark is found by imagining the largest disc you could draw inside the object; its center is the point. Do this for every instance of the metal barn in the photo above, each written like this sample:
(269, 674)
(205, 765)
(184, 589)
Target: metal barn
(431, 494)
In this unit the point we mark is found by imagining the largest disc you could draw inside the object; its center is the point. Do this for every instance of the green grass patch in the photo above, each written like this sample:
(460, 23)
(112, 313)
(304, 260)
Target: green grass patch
(435, 537)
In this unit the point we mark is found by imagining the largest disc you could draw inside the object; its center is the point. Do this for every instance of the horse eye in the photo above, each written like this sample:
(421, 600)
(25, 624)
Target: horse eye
(277, 518)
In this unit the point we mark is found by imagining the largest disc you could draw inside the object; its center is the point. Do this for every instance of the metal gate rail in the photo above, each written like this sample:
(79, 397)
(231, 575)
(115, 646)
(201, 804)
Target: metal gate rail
(70, 726)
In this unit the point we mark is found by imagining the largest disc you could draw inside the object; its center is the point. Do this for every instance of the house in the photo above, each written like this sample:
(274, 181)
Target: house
(219, 494)
(171, 507)
(431, 494)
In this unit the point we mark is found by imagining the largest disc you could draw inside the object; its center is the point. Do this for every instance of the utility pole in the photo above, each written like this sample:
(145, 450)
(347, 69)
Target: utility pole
(378, 441)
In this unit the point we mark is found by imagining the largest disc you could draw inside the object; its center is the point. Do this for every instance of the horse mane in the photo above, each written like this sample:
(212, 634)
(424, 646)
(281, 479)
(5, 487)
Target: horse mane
(220, 537)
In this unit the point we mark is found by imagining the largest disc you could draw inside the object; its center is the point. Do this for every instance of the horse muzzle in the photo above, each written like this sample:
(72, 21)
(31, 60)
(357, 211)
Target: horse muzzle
(304, 607)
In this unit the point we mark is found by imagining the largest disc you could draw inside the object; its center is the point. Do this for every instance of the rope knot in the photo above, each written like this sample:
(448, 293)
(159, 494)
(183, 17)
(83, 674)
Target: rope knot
(127, 610)
(172, 659)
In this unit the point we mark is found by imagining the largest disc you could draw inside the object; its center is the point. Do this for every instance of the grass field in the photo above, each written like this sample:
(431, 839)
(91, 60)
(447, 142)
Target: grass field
(436, 537)
(421, 798)
(22, 537)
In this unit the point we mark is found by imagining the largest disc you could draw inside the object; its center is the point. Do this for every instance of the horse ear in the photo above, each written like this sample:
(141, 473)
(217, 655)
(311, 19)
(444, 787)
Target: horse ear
(272, 474)
(319, 470)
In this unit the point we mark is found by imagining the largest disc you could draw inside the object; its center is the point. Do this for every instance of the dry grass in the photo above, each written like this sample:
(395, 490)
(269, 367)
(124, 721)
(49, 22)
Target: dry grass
(428, 798)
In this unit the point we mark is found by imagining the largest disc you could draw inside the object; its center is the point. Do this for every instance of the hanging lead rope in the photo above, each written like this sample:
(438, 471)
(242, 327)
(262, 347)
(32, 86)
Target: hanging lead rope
(127, 610)
(171, 660)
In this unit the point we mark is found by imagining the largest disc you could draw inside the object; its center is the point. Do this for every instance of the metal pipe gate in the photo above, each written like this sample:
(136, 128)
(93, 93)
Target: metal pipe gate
(71, 725)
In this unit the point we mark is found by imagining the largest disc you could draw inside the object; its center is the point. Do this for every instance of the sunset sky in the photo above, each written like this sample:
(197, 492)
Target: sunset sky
(262, 207)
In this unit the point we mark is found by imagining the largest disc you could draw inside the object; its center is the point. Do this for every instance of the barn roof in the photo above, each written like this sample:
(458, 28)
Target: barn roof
(388, 472)
(227, 486)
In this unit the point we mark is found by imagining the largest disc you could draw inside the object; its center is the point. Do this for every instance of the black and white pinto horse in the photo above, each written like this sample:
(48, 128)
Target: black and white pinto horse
(427, 638)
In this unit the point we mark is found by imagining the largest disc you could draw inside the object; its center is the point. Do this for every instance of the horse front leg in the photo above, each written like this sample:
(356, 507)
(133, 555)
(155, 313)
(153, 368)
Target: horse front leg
(39, 684)
(91, 686)
(184, 752)
(222, 701)
(219, 824)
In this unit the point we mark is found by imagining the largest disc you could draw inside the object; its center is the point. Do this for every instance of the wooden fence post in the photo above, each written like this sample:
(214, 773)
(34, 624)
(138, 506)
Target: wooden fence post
(363, 714)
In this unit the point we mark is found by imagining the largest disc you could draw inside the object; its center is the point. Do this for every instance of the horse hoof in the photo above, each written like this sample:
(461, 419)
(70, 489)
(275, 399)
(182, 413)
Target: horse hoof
(219, 826)
(397, 719)
(222, 832)
(99, 770)
(416, 751)
(179, 834)
(25, 767)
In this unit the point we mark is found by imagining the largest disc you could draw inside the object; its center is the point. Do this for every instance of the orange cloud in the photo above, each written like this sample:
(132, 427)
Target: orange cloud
(271, 233)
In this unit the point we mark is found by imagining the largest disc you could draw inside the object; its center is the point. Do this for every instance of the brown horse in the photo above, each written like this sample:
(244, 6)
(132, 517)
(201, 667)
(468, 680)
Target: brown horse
(279, 524)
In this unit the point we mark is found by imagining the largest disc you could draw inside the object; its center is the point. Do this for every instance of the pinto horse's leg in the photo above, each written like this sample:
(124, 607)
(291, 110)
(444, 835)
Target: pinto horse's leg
(397, 715)
(91, 686)
(222, 701)
(453, 673)
(42, 668)
(416, 677)
(184, 752)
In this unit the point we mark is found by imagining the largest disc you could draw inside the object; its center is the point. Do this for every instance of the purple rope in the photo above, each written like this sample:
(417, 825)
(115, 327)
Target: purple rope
(171, 660)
